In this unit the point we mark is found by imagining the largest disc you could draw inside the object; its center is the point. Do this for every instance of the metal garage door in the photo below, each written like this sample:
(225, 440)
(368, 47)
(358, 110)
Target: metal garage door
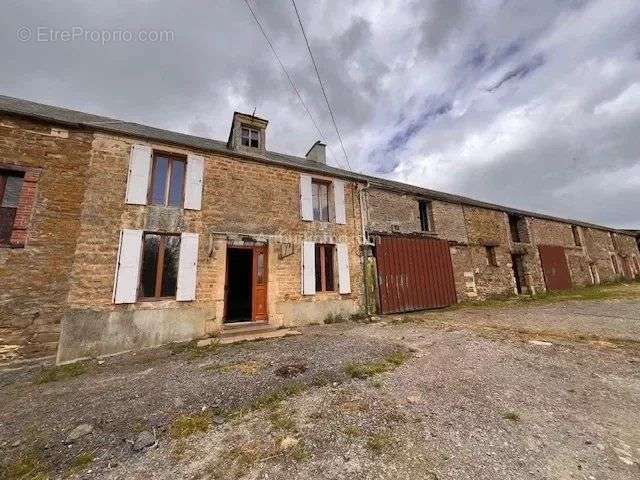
(414, 274)
(554, 267)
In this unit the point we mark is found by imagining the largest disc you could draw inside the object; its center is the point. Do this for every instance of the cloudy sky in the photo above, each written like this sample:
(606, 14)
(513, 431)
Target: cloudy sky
(532, 104)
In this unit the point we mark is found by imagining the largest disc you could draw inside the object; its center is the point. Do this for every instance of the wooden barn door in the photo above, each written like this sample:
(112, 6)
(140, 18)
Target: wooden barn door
(414, 274)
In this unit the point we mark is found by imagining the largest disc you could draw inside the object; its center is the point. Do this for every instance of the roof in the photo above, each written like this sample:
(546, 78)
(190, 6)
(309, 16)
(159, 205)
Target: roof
(80, 120)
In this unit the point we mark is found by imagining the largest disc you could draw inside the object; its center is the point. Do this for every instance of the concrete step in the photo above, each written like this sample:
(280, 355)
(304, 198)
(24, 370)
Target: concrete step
(248, 335)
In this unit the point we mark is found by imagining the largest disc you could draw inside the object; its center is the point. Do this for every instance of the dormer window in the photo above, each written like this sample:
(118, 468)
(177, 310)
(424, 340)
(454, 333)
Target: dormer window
(250, 137)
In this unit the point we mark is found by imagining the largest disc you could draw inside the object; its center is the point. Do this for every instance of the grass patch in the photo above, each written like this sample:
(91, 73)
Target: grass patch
(512, 416)
(185, 426)
(280, 421)
(335, 318)
(380, 442)
(80, 463)
(352, 432)
(365, 370)
(274, 399)
(28, 467)
(61, 372)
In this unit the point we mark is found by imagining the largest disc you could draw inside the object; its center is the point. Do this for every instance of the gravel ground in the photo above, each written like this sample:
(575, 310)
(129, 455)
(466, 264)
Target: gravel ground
(468, 396)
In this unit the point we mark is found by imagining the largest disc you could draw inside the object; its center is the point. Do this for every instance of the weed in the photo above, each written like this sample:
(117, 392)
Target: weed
(335, 318)
(352, 432)
(28, 466)
(185, 426)
(274, 399)
(513, 416)
(366, 370)
(80, 463)
(193, 350)
(61, 372)
(379, 442)
(279, 421)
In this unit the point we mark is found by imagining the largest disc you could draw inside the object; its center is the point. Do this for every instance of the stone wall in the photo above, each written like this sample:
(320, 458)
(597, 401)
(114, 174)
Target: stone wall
(243, 202)
(35, 278)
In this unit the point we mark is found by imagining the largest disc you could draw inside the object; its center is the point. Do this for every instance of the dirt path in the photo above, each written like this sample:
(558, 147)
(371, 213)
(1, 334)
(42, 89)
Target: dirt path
(445, 395)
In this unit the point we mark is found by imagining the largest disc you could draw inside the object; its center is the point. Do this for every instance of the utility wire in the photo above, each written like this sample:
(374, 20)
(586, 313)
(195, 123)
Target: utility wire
(291, 82)
(324, 93)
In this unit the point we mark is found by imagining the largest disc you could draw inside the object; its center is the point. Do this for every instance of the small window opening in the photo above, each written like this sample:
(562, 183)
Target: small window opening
(10, 188)
(159, 276)
(576, 235)
(324, 268)
(518, 229)
(250, 137)
(425, 215)
(491, 256)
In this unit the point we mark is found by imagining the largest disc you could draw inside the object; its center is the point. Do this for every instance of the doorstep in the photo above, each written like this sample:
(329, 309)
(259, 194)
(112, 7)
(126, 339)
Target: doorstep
(248, 333)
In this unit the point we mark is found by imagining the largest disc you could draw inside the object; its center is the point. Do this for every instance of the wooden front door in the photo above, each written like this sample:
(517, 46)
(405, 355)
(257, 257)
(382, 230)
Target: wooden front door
(259, 306)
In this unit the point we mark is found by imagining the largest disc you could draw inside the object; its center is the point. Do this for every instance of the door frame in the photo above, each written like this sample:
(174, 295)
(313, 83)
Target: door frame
(253, 249)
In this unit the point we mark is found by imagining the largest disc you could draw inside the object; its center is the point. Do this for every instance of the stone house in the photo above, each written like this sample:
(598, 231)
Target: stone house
(118, 236)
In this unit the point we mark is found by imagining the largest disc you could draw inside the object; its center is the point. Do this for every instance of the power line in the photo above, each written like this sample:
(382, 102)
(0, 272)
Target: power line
(324, 93)
(291, 82)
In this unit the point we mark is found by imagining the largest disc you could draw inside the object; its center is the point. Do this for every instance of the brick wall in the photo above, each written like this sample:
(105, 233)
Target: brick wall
(35, 278)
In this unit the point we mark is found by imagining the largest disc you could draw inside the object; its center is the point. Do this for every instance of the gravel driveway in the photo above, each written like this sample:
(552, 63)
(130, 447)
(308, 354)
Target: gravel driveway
(443, 395)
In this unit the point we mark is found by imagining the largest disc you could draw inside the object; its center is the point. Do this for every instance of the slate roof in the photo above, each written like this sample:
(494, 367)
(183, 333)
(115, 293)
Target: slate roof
(86, 121)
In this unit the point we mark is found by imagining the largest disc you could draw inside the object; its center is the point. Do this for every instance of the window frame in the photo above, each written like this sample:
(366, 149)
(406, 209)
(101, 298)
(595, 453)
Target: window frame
(171, 156)
(159, 267)
(5, 173)
(250, 138)
(321, 247)
(331, 214)
(425, 213)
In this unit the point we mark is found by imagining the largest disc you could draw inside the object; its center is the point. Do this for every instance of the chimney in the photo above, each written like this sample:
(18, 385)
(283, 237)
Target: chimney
(317, 153)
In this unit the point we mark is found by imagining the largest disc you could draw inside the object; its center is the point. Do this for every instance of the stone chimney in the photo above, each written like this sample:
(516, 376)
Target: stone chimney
(317, 153)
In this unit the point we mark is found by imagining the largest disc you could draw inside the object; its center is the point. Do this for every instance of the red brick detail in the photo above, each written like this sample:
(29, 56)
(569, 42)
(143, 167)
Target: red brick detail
(25, 207)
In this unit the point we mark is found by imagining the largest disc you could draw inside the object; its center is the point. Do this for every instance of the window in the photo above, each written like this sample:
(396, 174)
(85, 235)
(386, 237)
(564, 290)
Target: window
(491, 256)
(10, 187)
(167, 181)
(250, 137)
(576, 235)
(324, 268)
(425, 215)
(517, 228)
(159, 276)
(322, 204)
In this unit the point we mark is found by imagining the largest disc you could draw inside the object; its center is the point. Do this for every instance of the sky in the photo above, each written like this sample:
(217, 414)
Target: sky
(533, 105)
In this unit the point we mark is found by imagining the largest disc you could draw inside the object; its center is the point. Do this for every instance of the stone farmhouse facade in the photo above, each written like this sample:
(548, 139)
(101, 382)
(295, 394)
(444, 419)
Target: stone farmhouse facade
(118, 236)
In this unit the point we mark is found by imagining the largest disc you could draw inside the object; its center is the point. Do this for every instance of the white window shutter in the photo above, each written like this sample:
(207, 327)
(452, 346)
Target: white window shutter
(306, 198)
(344, 281)
(125, 289)
(193, 182)
(139, 173)
(187, 267)
(308, 268)
(338, 196)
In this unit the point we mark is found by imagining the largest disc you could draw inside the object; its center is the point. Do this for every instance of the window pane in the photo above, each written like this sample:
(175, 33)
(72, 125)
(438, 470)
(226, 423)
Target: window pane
(159, 185)
(318, 268)
(176, 185)
(254, 135)
(328, 267)
(170, 270)
(149, 264)
(316, 200)
(324, 202)
(12, 189)
(260, 268)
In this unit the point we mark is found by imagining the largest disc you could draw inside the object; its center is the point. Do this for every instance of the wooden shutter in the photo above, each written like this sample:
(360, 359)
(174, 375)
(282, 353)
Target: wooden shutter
(306, 198)
(193, 182)
(344, 281)
(308, 268)
(187, 267)
(125, 289)
(338, 197)
(139, 173)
